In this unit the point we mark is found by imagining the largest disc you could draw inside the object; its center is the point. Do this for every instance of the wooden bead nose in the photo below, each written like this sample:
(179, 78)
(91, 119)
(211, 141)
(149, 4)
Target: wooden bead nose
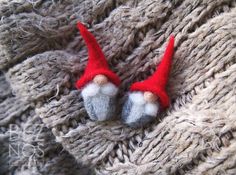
(149, 96)
(100, 79)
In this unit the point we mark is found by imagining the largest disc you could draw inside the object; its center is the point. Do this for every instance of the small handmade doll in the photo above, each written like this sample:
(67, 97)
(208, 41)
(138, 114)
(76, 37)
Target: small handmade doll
(99, 85)
(147, 98)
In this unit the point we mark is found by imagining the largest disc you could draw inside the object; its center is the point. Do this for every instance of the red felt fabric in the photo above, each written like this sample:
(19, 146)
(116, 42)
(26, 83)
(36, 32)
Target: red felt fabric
(97, 63)
(157, 82)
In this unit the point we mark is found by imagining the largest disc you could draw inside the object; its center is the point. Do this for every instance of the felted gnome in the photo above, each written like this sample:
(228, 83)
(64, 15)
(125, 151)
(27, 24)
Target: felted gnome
(98, 84)
(148, 97)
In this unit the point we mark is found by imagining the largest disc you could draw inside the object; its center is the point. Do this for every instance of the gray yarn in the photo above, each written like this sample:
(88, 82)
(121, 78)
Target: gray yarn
(27, 146)
(42, 55)
(5, 90)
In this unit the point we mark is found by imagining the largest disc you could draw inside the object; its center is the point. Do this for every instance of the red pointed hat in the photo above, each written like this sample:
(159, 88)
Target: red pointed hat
(156, 83)
(97, 63)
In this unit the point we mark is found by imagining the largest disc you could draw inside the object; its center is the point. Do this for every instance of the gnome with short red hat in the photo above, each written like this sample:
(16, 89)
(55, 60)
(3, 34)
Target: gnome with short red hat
(98, 84)
(147, 98)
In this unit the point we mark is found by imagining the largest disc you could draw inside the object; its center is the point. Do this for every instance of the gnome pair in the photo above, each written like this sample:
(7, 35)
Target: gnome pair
(99, 87)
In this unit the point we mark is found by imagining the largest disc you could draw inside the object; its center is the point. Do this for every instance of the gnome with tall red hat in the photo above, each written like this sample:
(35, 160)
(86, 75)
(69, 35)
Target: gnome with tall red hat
(98, 84)
(147, 98)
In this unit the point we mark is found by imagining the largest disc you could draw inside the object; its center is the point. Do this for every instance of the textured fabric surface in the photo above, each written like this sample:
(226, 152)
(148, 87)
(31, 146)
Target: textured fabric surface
(42, 55)
(27, 146)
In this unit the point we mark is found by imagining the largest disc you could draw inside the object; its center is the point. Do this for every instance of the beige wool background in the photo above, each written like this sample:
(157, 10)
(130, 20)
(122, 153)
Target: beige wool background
(42, 54)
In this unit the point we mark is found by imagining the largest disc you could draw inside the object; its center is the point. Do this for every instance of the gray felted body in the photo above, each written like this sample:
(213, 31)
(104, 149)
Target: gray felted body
(100, 107)
(136, 114)
(100, 100)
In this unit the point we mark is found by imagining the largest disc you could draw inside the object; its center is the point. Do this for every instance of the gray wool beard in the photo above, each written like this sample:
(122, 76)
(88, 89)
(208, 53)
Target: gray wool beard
(100, 107)
(134, 115)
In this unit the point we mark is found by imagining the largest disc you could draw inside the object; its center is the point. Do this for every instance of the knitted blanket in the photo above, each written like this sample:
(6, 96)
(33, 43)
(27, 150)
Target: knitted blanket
(44, 128)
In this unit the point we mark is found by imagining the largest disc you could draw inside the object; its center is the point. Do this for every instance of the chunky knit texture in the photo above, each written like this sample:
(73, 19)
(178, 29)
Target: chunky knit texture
(42, 55)
(27, 146)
